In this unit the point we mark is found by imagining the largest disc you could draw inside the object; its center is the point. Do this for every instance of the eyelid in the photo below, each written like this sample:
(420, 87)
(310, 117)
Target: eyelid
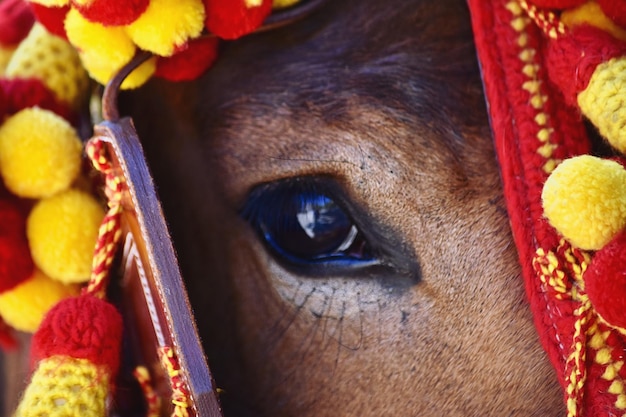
(277, 231)
(392, 260)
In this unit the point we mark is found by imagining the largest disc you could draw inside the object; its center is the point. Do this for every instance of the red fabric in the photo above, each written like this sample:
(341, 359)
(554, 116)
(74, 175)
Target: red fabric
(615, 10)
(22, 93)
(556, 4)
(52, 18)
(605, 282)
(572, 59)
(190, 63)
(504, 62)
(16, 19)
(112, 12)
(231, 19)
(84, 327)
(16, 264)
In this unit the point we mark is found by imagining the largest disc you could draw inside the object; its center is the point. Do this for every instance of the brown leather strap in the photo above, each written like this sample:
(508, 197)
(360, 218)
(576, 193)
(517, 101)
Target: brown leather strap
(155, 304)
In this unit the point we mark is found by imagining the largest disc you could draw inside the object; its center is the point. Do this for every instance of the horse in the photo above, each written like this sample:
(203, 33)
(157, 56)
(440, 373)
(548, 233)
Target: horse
(334, 199)
(407, 299)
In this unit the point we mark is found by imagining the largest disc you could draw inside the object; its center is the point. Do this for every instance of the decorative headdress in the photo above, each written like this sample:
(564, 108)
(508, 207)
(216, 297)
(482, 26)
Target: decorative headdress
(549, 68)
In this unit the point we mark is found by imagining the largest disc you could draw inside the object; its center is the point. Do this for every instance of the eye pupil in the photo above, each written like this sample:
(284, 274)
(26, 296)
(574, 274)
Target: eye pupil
(301, 222)
(312, 225)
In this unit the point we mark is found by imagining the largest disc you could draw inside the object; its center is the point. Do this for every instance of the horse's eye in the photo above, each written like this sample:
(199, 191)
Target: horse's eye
(302, 223)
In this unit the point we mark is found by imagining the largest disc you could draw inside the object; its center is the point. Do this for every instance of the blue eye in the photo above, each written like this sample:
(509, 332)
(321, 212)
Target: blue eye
(302, 223)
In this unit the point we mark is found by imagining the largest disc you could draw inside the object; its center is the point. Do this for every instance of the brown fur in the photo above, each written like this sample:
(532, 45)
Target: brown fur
(384, 100)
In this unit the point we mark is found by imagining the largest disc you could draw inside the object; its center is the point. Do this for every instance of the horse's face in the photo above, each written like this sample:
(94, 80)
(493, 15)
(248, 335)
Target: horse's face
(371, 112)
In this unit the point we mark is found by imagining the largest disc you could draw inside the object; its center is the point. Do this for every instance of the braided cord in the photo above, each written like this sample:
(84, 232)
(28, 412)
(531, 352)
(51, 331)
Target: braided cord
(180, 393)
(110, 230)
(546, 20)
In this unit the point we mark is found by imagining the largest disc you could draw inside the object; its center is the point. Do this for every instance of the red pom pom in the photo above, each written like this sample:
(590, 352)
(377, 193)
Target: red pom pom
(53, 18)
(16, 264)
(4, 105)
(84, 327)
(557, 4)
(111, 12)
(615, 10)
(605, 282)
(7, 340)
(29, 92)
(231, 19)
(189, 63)
(16, 19)
(572, 59)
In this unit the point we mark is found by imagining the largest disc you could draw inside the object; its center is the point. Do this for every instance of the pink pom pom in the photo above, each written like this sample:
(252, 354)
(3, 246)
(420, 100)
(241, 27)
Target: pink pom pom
(605, 282)
(189, 63)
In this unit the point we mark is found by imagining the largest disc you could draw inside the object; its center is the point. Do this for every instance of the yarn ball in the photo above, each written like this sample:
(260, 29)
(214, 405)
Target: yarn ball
(231, 19)
(16, 19)
(16, 264)
(30, 92)
(190, 63)
(574, 58)
(603, 101)
(52, 18)
(38, 54)
(24, 306)
(39, 153)
(605, 282)
(111, 12)
(584, 199)
(84, 327)
(62, 231)
(104, 71)
(89, 38)
(167, 25)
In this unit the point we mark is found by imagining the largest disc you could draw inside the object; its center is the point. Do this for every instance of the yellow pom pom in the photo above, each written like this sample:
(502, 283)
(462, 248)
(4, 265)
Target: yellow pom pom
(62, 232)
(103, 72)
(585, 200)
(281, 4)
(39, 153)
(105, 50)
(603, 101)
(24, 306)
(63, 386)
(5, 56)
(167, 24)
(52, 60)
(52, 3)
